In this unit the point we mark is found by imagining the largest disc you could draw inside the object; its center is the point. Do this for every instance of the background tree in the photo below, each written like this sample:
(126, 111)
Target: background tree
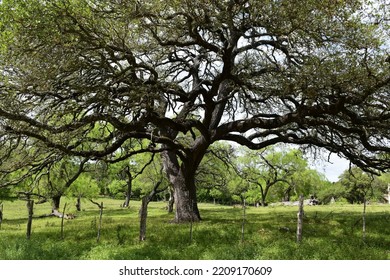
(360, 186)
(252, 72)
(239, 188)
(123, 171)
(151, 182)
(330, 191)
(215, 172)
(269, 167)
(306, 182)
(54, 181)
(84, 187)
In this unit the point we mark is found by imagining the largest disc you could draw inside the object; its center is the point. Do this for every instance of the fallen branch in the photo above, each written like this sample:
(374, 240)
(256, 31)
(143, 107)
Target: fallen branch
(58, 214)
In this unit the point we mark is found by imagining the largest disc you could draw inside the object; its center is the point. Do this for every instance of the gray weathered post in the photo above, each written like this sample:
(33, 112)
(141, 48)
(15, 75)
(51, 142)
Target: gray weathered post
(388, 193)
(243, 221)
(1, 213)
(62, 222)
(30, 208)
(300, 219)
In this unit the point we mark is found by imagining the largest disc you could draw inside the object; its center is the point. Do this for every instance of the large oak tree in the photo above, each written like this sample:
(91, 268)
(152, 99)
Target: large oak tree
(185, 74)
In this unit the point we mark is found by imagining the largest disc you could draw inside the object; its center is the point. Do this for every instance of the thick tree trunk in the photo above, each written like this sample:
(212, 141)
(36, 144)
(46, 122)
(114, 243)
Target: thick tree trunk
(182, 178)
(185, 198)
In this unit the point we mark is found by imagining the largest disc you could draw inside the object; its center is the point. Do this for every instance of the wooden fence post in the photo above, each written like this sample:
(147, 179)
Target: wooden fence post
(100, 217)
(388, 193)
(62, 222)
(143, 212)
(100, 221)
(243, 221)
(30, 209)
(300, 219)
(143, 217)
(1, 213)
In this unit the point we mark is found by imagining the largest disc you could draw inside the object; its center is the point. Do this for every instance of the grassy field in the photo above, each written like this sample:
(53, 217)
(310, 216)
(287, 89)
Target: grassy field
(330, 232)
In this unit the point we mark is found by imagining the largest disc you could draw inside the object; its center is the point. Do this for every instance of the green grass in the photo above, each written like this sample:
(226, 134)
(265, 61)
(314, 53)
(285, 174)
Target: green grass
(330, 232)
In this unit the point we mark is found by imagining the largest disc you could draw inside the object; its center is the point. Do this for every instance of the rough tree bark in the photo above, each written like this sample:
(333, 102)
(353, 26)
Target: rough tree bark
(185, 198)
(182, 179)
(171, 200)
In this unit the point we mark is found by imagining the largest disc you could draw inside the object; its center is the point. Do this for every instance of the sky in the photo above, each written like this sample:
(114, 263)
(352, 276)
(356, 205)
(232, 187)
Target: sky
(332, 169)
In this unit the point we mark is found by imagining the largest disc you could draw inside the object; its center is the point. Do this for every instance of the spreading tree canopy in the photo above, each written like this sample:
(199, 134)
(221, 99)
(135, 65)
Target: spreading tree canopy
(186, 74)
